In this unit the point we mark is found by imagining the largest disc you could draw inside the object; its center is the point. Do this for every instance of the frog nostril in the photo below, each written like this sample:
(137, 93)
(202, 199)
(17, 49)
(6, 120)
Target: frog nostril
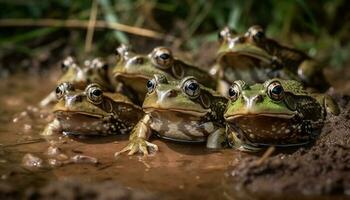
(258, 98)
(172, 93)
(238, 40)
(77, 99)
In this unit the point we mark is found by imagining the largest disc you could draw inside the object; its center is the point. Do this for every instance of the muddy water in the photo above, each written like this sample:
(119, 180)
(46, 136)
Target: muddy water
(176, 171)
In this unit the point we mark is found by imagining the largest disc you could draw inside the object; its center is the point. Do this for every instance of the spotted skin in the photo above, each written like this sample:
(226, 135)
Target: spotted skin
(81, 113)
(93, 71)
(256, 119)
(172, 113)
(133, 70)
(255, 58)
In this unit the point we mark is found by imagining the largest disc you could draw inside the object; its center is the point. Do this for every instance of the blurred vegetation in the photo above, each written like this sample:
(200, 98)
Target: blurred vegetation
(319, 27)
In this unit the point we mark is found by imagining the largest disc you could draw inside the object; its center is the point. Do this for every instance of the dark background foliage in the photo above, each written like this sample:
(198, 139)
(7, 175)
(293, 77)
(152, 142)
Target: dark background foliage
(320, 28)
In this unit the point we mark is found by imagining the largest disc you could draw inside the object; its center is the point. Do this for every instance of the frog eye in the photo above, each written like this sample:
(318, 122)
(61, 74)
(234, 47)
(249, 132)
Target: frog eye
(100, 65)
(162, 57)
(66, 63)
(234, 91)
(226, 33)
(63, 89)
(257, 33)
(151, 85)
(275, 91)
(94, 93)
(191, 88)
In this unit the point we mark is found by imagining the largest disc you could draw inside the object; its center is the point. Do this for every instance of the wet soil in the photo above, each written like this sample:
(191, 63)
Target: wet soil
(75, 168)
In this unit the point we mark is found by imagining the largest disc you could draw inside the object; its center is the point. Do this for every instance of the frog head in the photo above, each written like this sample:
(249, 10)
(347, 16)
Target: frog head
(185, 96)
(269, 113)
(240, 51)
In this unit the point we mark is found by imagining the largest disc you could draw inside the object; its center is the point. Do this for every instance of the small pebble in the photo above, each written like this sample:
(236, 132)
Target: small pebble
(31, 161)
(27, 127)
(54, 162)
(62, 157)
(53, 151)
(82, 159)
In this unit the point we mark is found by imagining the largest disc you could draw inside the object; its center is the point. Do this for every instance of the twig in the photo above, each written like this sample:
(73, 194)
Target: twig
(91, 27)
(74, 23)
(267, 154)
(25, 142)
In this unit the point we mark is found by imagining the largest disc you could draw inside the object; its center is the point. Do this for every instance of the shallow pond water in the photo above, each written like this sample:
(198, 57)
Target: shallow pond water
(187, 169)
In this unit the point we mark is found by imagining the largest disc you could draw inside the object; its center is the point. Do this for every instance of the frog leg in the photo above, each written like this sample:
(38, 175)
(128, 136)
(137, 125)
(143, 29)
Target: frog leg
(236, 140)
(217, 139)
(138, 139)
(307, 69)
(311, 73)
(51, 98)
(52, 127)
(330, 105)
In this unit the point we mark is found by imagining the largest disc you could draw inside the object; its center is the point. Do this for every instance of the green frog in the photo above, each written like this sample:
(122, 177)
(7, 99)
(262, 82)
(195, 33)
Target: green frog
(92, 112)
(93, 71)
(134, 70)
(254, 58)
(181, 110)
(277, 112)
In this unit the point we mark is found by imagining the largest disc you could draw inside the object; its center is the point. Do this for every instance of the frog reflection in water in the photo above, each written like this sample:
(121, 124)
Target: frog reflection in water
(92, 112)
(93, 71)
(277, 112)
(254, 58)
(134, 70)
(181, 110)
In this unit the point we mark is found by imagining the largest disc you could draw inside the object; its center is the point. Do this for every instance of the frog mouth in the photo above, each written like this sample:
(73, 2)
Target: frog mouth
(77, 114)
(82, 123)
(250, 51)
(120, 75)
(268, 129)
(259, 115)
(176, 110)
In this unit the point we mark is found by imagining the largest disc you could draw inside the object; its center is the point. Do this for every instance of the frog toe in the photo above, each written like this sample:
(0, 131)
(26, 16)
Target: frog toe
(133, 149)
(152, 147)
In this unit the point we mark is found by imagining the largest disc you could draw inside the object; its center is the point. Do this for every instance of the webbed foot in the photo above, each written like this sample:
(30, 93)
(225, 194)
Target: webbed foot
(139, 145)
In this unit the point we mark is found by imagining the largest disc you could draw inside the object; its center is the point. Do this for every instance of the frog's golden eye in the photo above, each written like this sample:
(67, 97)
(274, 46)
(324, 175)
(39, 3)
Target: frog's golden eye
(191, 88)
(151, 85)
(66, 63)
(234, 91)
(162, 57)
(94, 93)
(63, 89)
(275, 91)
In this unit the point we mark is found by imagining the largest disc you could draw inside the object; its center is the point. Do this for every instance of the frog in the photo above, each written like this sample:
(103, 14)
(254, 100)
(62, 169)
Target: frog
(178, 110)
(93, 71)
(253, 57)
(277, 113)
(91, 112)
(133, 70)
